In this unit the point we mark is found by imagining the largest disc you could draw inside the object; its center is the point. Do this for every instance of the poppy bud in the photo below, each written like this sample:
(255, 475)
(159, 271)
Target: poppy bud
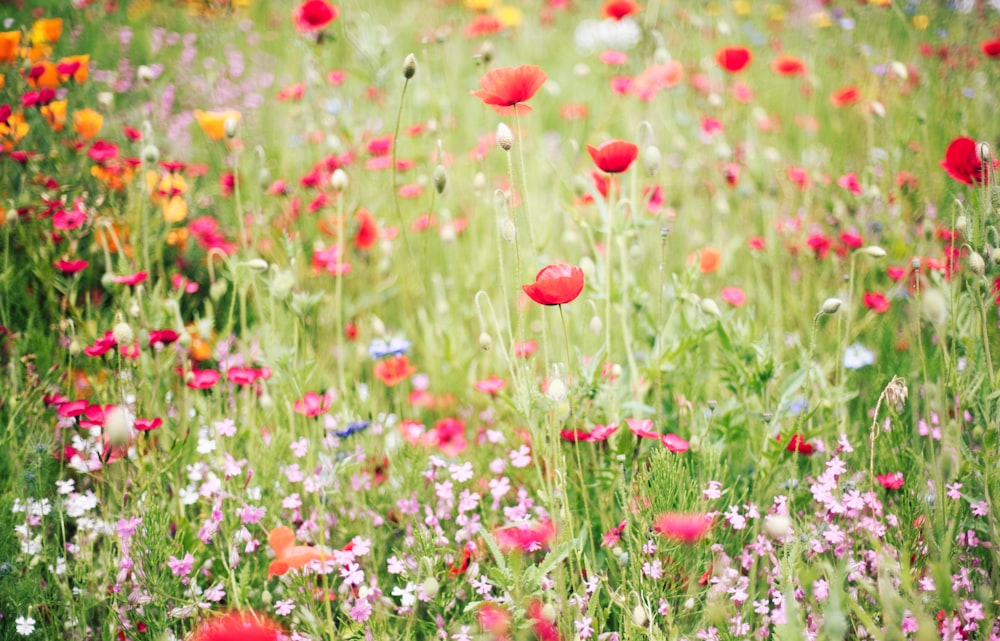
(878, 109)
(339, 179)
(107, 280)
(409, 66)
(508, 230)
(710, 307)
(639, 616)
(777, 526)
(123, 333)
(934, 305)
(831, 306)
(378, 327)
(485, 342)
(10, 217)
(217, 289)
(549, 612)
(984, 152)
(264, 177)
(74, 347)
(440, 177)
(996, 256)
(479, 181)
(556, 390)
(976, 263)
(144, 73)
(117, 427)
(265, 597)
(900, 69)
(106, 99)
(505, 137)
(486, 52)
(256, 264)
(874, 251)
(184, 339)
(229, 127)
(430, 587)
(651, 158)
(281, 284)
(596, 325)
(962, 224)
(134, 310)
(150, 154)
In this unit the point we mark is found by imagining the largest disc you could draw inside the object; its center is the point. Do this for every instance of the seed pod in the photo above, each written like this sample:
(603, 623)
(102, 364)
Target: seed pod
(505, 137)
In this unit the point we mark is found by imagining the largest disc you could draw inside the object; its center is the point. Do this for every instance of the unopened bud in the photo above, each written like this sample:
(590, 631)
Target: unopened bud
(217, 289)
(639, 616)
(144, 73)
(556, 390)
(107, 280)
(229, 127)
(831, 305)
(777, 526)
(123, 333)
(485, 342)
(508, 230)
(339, 179)
(479, 181)
(409, 66)
(995, 256)
(430, 587)
(74, 347)
(117, 427)
(962, 224)
(977, 265)
(549, 612)
(651, 158)
(265, 401)
(150, 154)
(256, 264)
(878, 109)
(984, 151)
(505, 137)
(440, 177)
(873, 251)
(10, 217)
(106, 99)
(710, 307)
(596, 325)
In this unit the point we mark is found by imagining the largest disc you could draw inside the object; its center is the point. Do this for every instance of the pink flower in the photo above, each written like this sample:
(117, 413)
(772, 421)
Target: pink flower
(314, 15)
(675, 443)
(203, 378)
(526, 538)
(312, 404)
(890, 481)
(734, 296)
(71, 266)
(681, 527)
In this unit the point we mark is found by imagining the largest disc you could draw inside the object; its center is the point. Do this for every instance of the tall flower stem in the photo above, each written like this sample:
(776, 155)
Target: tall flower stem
(395, 191)
(341, 379)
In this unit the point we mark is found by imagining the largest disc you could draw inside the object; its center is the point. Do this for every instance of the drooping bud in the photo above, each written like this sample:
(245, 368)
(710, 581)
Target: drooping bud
(150, 154)
(710, 307)
(144, 73)
(556, 390)
(995, 256)
(229, 127)
(874, 251)
(256, 264)
(639, 616)
(831, 305)
(409, 66)
(596, 325)
(962, 224)
(508, 230)
(217, 289)
(505, 137)
(651, 159)
(777, 526)
(440, 177)
(896, 393)
(485, 342)
(430, 587)
(117, 427)
(977, 265)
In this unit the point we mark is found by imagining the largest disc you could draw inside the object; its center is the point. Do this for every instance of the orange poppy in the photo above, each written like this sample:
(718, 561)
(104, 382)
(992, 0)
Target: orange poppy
(80, 73)
(289, 556)
(707, 259)
(505, 88)
(845, 96)
(14, 129)
(46, 31)
(44, 75)
(733, 59)
(394, 370)
(9, 42)
(213, 123)
(87, 123)
(55, 114)
(786, 65)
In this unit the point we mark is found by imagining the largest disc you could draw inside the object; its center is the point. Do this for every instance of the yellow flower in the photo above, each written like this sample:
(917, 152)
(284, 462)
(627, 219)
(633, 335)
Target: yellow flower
(509, 16)
(920, 21)
(175, 209)
(87, 123)
(741, 7)
(14, 129)
(9, 41)
(213, 123)
(479, 5)
(821, 20)
(82, 73)
(55, 114)
(46, 31)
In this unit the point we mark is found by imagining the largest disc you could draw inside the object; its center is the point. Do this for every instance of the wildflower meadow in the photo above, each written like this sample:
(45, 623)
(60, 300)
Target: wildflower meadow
(499, 320)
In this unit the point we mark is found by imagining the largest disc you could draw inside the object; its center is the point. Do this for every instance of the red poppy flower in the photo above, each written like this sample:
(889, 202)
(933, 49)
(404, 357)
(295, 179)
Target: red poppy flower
(506, 87)
(483, 25)
(146, 425)
(73, 266)
(618, 9)
(203, 378)
(798, 444)
(448, 435)
(991, 48)
(876, 302)
(239, 626)
(613, 156)
(962, 161)
(367, 234)
(555, 285)
(130, 279)
(844, 96)
(682, 528)
(596, 435)
(394, 370)
(733, 59)
(313, 15)
(786, 65)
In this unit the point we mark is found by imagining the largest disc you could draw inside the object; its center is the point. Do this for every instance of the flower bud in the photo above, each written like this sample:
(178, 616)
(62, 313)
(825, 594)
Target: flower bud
(144, 73)
(556, 390)
(508, 230)
(217, 290)
(106, 99)
(596, 325)
(117, 427)
(549, 612)
(339, 179)
(107, 280)
(409, 66)
(430, 587)
(256, 264)
(479, 181)
(651, 158)
(777, 526)
(639, 616)
(440, 177)
(505, 137)
(873, 251)
(877, 108)
(74, 347)
(485, 342)
(150, 154)
(984, 152)
(977, 265)
(995, 256)
(962, 224)
(831, 305)
(123, 333)
(10, 217)
(710, 307)
(229, 127)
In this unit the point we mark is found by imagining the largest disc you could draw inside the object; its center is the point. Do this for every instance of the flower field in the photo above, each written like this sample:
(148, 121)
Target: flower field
(473, 320)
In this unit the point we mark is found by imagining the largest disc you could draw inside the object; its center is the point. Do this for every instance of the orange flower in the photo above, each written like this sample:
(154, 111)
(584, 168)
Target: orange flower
(786, 65)
(288, 555)
(505, 88)
(394, 370)
(9, 42)
(87, 123)
(81, 73)
(55, 114)
(3, 79)
(46, 31)
(45, 75)
(14, 129)
(708, 259)
(213, 123)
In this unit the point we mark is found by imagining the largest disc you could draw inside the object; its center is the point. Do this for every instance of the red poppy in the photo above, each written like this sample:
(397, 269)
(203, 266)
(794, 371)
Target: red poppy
(71, 266)
(506, 87)
(596, 435)
(844, 96)
(618, 9)
(394, 370)
(798, 444)
(733, 59)
(786, 65)
(313, 15)
(682, 528)
(962, 161)
(146, 425)
(483, 25)
(130, 279)
(448, 435)
(203, 378)
(613, 156)
(991, 48)
(876, 302)
(556, 285)
(367, 234)
(239, 626)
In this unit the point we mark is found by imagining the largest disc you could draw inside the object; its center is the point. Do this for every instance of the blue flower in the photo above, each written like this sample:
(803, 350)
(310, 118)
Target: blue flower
(857, 356)
(395, 347)
(352, 428)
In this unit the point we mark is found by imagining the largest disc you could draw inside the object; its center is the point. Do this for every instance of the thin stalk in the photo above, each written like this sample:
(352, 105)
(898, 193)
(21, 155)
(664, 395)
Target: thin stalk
(342, 380)
(395, 192)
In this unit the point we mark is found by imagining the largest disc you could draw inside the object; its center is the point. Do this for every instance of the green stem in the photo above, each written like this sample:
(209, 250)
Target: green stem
(395, 192)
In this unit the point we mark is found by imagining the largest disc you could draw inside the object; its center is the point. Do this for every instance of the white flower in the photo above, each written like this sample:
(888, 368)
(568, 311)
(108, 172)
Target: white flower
(25, 625)
(857, 356)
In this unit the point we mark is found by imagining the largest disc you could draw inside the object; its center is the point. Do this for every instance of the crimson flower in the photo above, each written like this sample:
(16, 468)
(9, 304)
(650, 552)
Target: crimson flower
(313, 15)
(990, 48)
(962, 161)
(239, 626)
(203, 378)
(505, 88)
(146, 424)
(733, 59)
(845, 96)
(682, 528)
(890, 481)
(526, 538)
(394, 370)
(786, 65)
(613, 156)
(555, 285)
(618, 9)
(596, 435)
(798, 444)
(71, 266)
(675, 443)
(876, 302)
